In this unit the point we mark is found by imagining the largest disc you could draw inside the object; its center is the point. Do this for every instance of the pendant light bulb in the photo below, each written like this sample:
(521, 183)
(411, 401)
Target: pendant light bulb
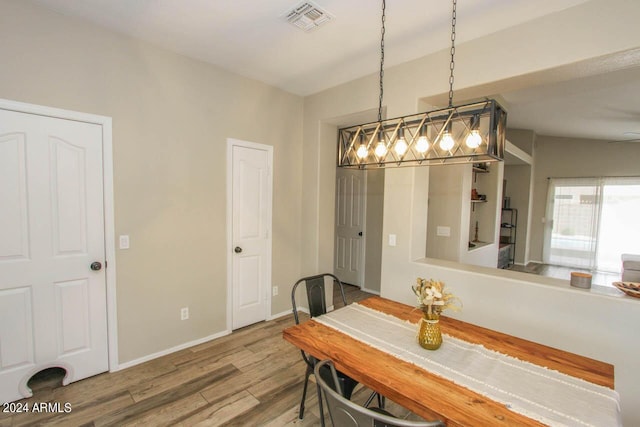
(422, 145)
(447, 142)
(473, 139)
(381, 149)
(401, 145)
(362, 151)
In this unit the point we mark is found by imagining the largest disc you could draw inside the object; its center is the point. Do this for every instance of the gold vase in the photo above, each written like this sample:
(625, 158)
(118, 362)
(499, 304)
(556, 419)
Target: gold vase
(429, 335)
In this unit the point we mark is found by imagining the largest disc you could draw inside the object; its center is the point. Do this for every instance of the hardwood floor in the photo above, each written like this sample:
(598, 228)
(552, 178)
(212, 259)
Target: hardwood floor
(249, 378)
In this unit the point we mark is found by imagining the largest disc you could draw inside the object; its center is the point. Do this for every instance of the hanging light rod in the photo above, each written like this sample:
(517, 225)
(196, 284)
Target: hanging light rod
(468, 133)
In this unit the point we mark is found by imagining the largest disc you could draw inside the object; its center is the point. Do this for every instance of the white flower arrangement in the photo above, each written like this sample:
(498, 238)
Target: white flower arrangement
(433, 299)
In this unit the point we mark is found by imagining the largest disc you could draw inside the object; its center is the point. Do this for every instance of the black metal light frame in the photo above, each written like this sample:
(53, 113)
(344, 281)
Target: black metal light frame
(487, 117)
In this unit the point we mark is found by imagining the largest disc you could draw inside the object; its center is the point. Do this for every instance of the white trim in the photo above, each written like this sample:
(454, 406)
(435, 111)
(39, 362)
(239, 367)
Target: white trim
(152, 356)
(281, 314)
(269, 149)
(518, 153)
(371, 291)
(365, 233)
(109, 227)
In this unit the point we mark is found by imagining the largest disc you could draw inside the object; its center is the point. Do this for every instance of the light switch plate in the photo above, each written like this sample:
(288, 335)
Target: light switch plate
(124, 241)
(392, 239)
(443, 231)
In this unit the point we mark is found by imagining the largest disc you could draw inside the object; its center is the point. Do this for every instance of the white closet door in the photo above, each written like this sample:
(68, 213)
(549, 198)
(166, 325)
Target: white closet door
(52, 303)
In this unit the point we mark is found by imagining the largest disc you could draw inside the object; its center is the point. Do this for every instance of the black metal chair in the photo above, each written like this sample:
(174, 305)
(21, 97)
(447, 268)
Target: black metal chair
(345, 413)
(317, 303)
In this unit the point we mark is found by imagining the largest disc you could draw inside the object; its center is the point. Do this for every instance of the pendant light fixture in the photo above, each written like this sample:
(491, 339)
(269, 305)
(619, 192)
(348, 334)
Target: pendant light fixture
(469, 133)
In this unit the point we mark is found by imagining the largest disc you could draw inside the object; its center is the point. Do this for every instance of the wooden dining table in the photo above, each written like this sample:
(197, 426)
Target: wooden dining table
(429, 395)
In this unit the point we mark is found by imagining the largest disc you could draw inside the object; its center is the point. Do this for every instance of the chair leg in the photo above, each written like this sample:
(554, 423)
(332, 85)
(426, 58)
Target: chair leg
(320, 404)
(370, 399)
(380, 401)
(304, 392)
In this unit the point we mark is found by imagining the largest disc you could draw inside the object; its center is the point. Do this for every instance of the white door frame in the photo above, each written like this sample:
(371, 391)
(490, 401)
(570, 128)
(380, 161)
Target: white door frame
(107, 182)
(269, 149)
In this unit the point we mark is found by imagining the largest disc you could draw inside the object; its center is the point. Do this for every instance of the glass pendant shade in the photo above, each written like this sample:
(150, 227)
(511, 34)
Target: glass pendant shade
(404, 141)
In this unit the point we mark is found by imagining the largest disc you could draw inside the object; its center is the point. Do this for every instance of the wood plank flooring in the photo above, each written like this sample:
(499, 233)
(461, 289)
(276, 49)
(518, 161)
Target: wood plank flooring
(251, 377)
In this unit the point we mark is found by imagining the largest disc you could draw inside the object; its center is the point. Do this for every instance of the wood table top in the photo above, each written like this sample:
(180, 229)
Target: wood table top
(427, 394)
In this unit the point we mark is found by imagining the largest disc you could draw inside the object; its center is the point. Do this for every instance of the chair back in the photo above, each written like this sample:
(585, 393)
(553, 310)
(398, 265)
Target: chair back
(345, 413)
(316, 300)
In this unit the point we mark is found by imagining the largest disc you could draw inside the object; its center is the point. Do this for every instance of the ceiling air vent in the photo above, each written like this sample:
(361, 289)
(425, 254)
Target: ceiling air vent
(307, 16)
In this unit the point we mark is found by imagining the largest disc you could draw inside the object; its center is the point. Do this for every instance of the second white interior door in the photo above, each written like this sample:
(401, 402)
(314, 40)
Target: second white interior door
(350, 225)
(251, 232)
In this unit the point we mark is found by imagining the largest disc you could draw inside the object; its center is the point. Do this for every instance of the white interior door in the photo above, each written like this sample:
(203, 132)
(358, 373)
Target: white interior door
(52, 304)
(350, 224)
(251, 232)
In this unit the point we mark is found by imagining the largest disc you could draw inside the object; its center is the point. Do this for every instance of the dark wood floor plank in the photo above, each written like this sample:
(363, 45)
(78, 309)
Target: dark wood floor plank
(223, 411)
(270, 406)
(176, 382)
(166, 415)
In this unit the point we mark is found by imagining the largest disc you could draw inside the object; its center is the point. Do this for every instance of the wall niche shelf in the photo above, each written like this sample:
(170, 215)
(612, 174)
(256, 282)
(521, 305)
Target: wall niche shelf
(508, 227)
(478, 169)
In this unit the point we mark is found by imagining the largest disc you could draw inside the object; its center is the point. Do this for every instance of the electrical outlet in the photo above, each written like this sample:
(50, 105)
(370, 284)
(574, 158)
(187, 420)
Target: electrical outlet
(184, 313)
(274, 291)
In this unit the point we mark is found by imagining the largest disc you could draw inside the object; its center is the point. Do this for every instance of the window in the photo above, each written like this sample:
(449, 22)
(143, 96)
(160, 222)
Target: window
(591, 222)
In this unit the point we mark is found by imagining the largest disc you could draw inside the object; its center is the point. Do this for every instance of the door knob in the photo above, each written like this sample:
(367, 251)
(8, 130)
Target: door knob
(96, 266)
(360, 234)
(237, 249)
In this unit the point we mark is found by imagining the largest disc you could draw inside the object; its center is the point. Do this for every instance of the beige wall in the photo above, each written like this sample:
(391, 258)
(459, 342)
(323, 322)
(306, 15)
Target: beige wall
(447, 200)
(569, 158)
(571, 41)
(171, 117)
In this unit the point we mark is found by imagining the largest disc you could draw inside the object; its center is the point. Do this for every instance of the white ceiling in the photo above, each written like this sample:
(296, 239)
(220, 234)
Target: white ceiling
(604, 106)
(251, 38)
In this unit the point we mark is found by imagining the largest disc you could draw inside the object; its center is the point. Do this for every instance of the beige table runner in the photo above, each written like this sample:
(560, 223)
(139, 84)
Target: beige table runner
(539, 393)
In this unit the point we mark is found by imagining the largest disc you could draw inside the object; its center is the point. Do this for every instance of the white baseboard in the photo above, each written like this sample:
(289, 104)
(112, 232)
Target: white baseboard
(170, 350)
(371, 291)
(281, 314)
